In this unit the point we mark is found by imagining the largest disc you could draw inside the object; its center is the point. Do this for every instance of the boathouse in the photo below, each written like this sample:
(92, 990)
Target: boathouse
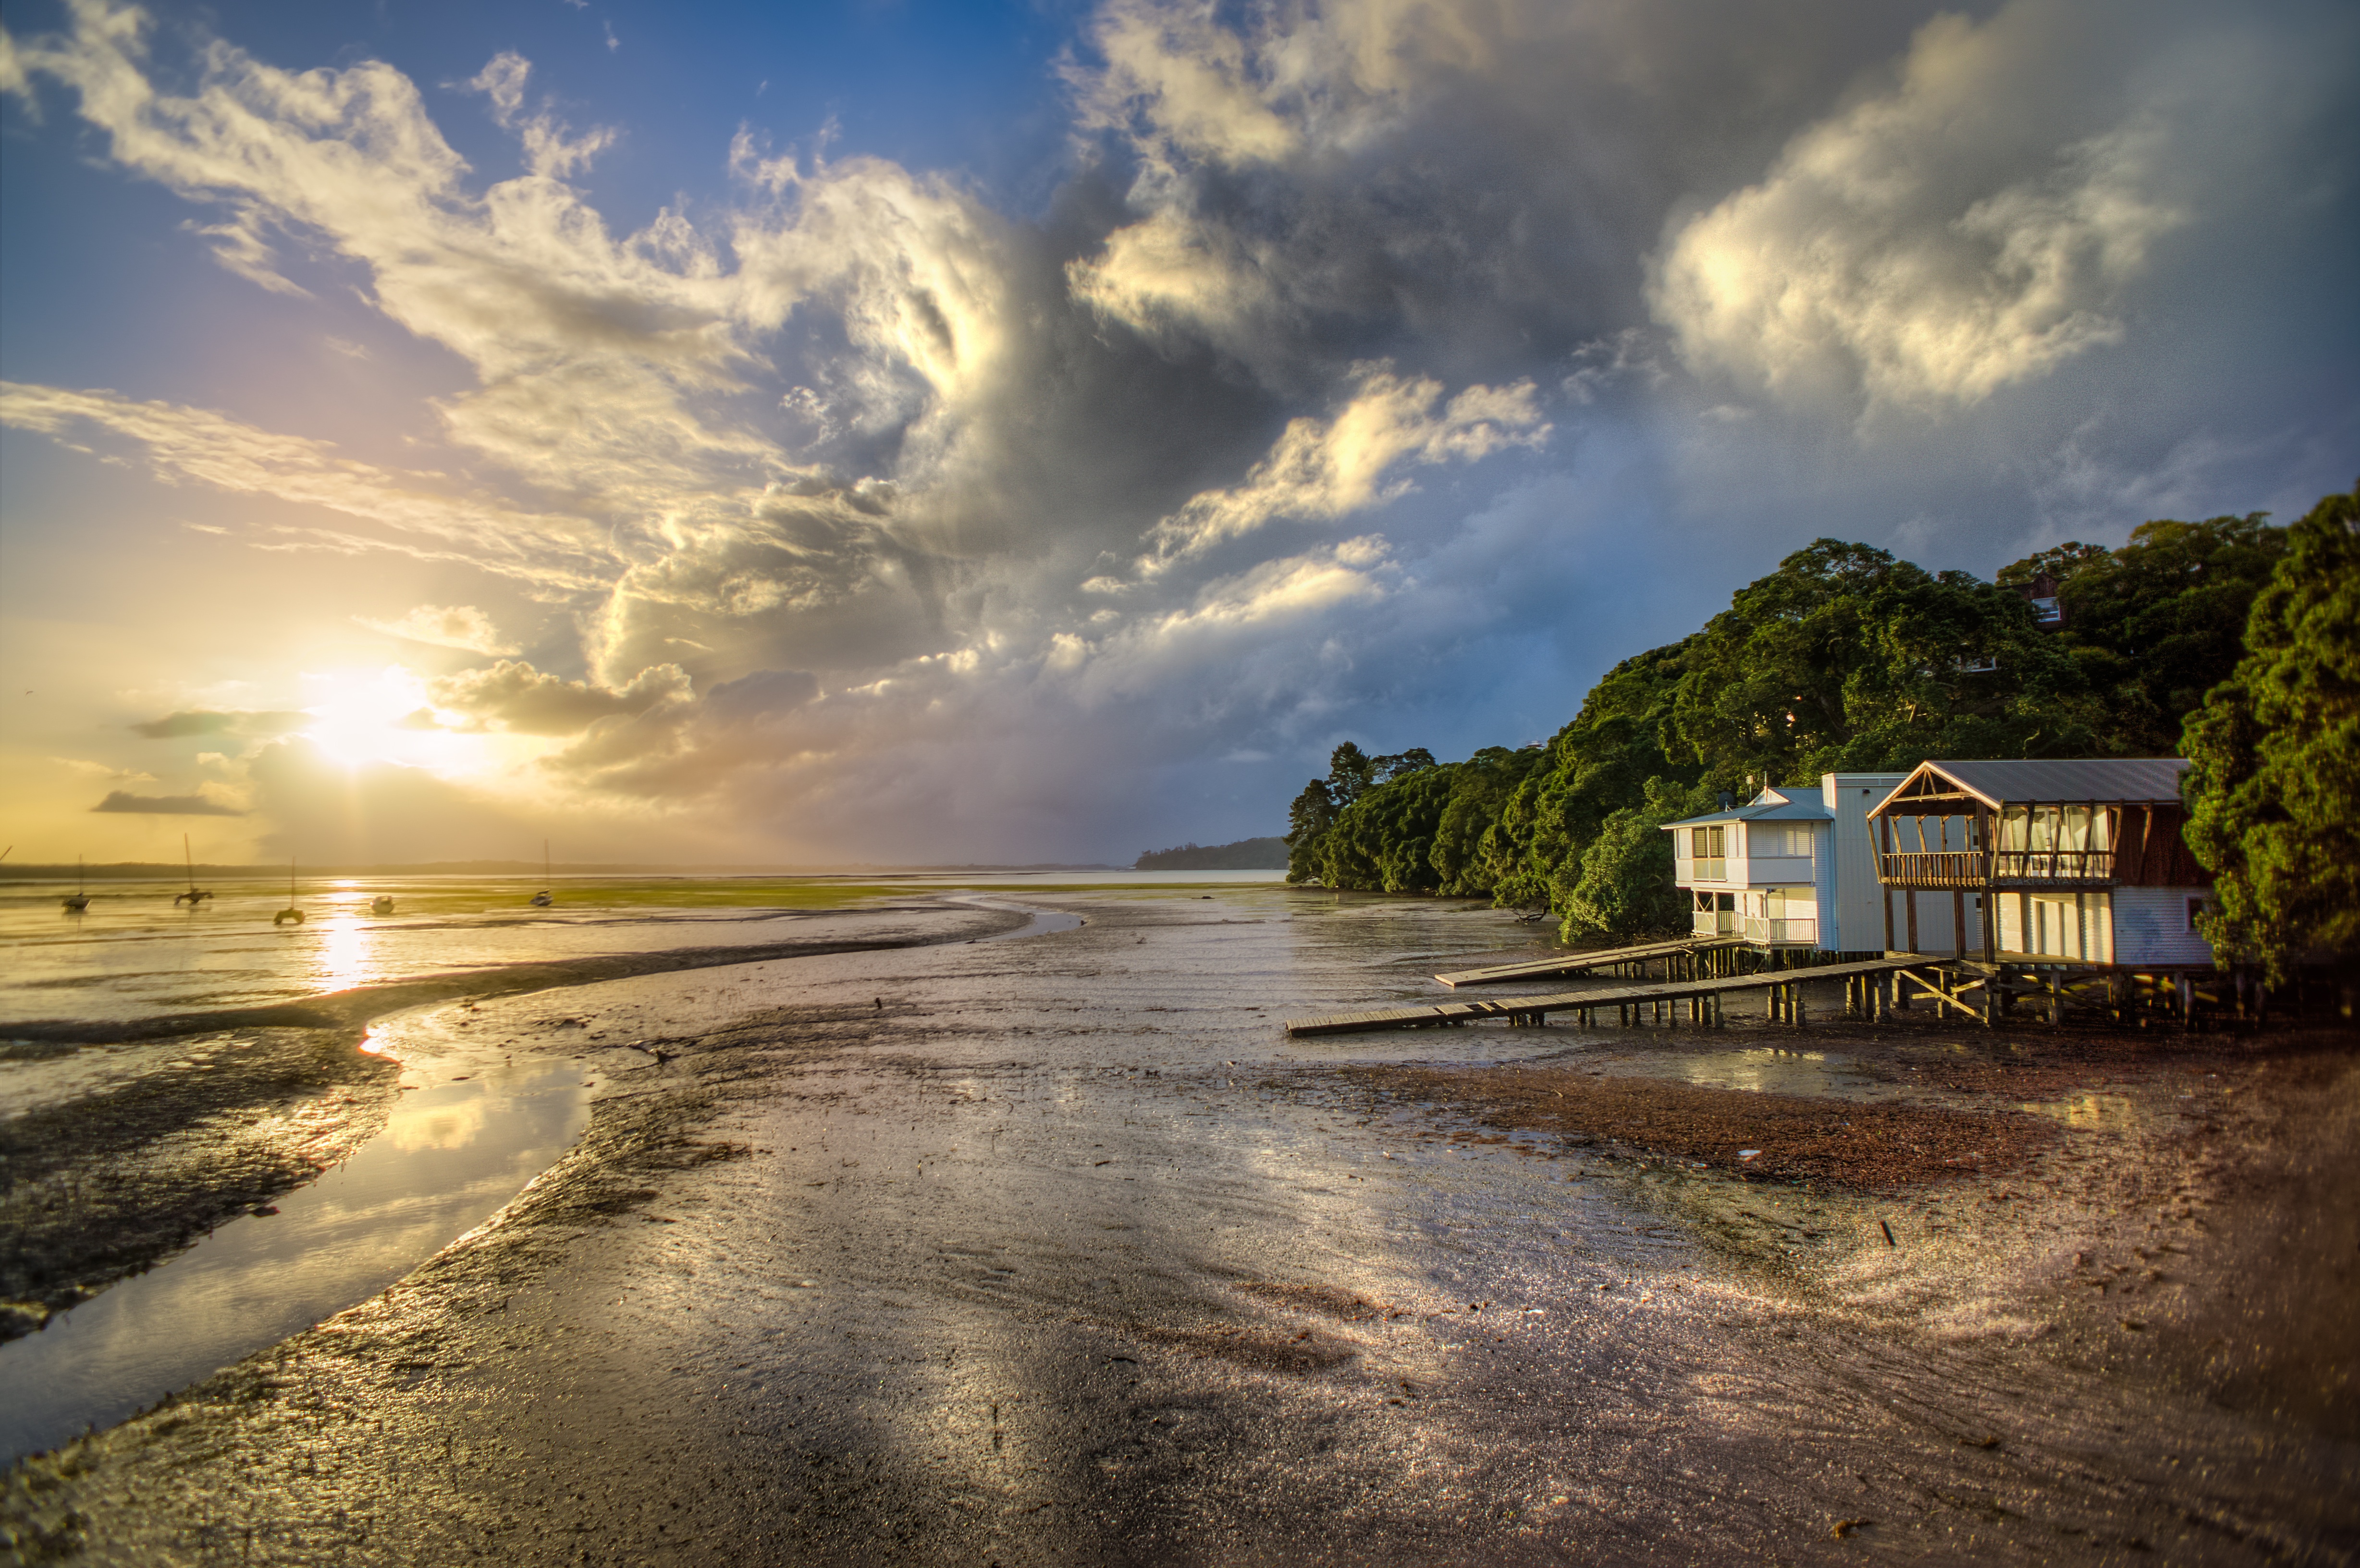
(2083, 860)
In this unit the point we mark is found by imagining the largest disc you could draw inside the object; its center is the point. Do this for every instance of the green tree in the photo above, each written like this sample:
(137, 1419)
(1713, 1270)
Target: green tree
(1480, 787)
(2274, 789)
(1597, 765)
(2156, 625)
(1626, 889)
(1351, 774)
(1847, 660)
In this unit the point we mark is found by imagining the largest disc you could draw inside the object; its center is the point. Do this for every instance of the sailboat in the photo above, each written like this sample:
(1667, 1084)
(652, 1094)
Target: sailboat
(541, 899)
(195, 895)
(76, 901)
(290, 912)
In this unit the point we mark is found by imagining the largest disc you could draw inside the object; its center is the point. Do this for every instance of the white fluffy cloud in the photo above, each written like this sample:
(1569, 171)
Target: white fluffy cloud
(1972, 227)
(1332, 468)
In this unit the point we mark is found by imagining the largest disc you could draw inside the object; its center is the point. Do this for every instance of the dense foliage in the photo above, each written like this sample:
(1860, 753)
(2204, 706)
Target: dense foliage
(1245, 854)
(2156, 625)
(2274, 789)
(1843, 660)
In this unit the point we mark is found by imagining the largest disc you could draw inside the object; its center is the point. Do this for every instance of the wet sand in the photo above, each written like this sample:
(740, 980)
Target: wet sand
(1057, 1250)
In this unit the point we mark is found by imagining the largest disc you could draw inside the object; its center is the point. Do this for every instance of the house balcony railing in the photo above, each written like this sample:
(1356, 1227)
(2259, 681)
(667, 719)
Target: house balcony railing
(1974, 868)
(1714, 922)
(1781, 933)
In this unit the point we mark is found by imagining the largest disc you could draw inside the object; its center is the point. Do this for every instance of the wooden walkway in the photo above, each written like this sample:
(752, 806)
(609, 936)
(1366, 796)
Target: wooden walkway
(1867, 985)
(1629, 961)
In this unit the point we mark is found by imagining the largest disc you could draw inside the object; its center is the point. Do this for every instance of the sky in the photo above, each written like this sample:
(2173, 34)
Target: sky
(911, 431)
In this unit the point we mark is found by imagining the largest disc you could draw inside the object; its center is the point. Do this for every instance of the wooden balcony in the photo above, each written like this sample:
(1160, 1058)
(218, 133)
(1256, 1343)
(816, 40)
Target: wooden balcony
(1971, 870)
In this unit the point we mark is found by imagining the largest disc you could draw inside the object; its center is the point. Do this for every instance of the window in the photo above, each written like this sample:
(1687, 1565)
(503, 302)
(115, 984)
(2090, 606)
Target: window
(2045, 610)
(1707, 843)
(2195, 907)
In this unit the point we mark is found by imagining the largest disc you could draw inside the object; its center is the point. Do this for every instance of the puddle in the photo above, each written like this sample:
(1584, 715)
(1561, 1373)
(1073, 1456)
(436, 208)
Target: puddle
(2089, 1113)
(1767, 1070)
(470, 1137)
(1044, 923)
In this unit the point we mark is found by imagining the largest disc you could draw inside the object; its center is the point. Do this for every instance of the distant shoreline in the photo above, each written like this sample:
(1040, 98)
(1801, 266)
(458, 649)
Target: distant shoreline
(156, 870)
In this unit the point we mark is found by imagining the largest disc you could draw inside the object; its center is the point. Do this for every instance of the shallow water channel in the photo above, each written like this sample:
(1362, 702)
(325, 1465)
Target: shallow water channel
(467, 1135)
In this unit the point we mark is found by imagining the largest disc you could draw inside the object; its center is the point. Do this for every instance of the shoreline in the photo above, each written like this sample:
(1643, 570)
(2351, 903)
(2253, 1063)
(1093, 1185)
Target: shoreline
(263, 1101)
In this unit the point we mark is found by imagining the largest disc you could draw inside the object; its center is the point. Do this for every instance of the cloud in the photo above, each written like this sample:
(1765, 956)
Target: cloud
(165, 805)
(219, 721)
(1349, 464)
(1967, 229)
(513, 695)
(181, 444)
(444, 626)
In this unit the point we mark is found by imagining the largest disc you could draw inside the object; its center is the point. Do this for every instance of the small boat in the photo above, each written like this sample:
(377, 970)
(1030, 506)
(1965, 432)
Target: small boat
(76, 901)
(541, 899)
(195, 895)
(290, 912)
(381, 905)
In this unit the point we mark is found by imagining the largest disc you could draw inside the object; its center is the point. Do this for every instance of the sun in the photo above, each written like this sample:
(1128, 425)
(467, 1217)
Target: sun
(360, 716)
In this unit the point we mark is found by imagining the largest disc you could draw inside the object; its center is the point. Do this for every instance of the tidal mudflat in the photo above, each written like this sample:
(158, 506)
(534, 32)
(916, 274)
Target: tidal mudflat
(1056, 1249)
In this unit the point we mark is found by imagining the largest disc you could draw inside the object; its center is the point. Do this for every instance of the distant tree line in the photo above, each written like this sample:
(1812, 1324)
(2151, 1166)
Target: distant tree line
(1846, 659)
(1245, 854)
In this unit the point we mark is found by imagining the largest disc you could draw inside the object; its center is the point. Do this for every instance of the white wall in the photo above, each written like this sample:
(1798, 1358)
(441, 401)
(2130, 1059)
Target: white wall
(2151, 926)
(1850, 919)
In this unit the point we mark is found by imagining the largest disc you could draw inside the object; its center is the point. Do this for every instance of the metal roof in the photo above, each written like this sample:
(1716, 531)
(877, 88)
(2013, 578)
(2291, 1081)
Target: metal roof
(2130, 779)
(1769, 806)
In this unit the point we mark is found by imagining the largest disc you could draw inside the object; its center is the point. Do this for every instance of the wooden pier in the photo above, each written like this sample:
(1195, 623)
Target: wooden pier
(1684, 958)
(1871, 988)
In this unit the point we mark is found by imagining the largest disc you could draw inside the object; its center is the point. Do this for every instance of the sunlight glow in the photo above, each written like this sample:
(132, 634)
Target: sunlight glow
(361, 717)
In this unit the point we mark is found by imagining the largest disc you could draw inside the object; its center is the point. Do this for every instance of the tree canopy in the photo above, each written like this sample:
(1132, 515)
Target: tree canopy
(2274, 791)
(2156, 625)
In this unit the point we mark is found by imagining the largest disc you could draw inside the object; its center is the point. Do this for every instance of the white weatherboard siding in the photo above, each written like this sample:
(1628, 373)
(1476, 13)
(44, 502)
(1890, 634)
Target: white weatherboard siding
(1850, 919)
(2151, 926)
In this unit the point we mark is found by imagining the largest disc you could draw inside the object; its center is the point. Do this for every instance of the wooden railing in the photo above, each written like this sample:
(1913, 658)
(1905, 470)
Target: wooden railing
(1972, 868)
(2053, 865)
(1714, 922)
(1762, 928)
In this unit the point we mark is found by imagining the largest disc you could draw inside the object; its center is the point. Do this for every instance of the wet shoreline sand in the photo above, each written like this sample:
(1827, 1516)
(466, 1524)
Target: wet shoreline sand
(245, 1104)
(1057, 1251)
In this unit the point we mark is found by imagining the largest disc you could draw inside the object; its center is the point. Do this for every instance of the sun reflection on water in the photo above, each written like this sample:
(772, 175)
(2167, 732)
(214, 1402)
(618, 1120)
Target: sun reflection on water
(346, 944)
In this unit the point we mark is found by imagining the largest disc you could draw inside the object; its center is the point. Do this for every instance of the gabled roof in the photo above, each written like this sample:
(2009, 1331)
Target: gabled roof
(2135, 780)
(1770, 806)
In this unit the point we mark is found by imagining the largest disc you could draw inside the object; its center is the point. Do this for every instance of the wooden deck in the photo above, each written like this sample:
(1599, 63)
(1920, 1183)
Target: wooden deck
(1629, 958)
(1624, 1000)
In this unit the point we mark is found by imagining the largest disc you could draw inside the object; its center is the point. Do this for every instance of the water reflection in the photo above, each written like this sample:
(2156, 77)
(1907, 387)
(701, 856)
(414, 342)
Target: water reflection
(460, 1146)
(346, 944)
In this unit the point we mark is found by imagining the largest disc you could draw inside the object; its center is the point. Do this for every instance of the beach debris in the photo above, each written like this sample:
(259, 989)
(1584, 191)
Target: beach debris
(1888, 1233)
(1747, 1153)
(1845, 1527)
